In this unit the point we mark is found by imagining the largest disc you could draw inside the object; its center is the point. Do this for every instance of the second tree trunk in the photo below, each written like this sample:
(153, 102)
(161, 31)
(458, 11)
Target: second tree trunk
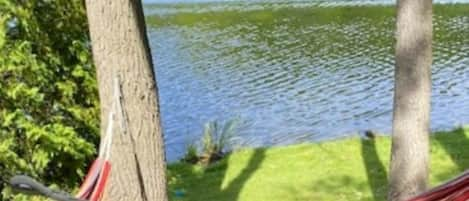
(410, 139)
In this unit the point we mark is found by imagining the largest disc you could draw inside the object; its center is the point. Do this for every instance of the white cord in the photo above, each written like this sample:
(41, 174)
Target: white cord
(109, 133)
(105, 142)
(105, 148)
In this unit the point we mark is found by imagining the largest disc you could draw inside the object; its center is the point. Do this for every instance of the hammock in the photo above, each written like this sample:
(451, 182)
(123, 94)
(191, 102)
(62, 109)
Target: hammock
(456, 189)
(95, 181)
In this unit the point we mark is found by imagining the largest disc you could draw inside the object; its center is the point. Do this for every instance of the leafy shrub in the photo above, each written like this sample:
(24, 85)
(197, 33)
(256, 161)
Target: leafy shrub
(48, 94)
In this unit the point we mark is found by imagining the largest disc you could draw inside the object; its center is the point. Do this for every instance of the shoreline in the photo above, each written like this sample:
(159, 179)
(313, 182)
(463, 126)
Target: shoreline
(346, 169)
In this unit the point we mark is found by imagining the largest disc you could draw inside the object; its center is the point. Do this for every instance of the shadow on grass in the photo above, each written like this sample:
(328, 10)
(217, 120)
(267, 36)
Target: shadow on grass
(340, 187)
(455, 144)
(375, 170)
(233, 189)
(207, 184)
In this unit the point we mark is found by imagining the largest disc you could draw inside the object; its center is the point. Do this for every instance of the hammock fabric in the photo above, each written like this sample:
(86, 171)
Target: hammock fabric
(95, 181)
(456, 189)
(91, 190)
(93, 186)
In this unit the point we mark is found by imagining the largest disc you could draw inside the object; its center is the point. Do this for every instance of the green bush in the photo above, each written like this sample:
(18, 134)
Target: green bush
(48, 95)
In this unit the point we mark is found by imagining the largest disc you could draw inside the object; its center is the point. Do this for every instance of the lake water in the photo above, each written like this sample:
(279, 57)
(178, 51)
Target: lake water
(294, 72)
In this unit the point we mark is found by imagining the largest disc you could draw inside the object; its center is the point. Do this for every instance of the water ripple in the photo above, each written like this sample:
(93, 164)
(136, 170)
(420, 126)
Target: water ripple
(295, 78)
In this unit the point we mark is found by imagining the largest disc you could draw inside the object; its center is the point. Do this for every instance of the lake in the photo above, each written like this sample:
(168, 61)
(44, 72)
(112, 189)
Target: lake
(294, 72)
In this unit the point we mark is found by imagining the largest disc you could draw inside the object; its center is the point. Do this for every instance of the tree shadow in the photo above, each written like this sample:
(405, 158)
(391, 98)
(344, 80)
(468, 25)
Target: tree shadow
(375, 170)
(455, 144)
(215, 182)
(234, 187)
(339, 187)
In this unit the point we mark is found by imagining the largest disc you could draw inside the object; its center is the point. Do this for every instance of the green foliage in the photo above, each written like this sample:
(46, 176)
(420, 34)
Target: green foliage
(191, 154)
(48, 95)
(215, 142)
(216, 137)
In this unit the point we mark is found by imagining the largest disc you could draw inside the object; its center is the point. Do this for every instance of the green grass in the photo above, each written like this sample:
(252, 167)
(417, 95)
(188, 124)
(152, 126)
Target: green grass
(349, 169)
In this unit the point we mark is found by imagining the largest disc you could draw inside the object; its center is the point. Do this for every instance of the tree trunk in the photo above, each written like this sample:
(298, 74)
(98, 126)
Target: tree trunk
(120, 49)
(410, 143)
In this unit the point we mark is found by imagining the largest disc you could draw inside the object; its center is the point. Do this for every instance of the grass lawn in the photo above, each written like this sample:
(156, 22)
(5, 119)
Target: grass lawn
(348, 170)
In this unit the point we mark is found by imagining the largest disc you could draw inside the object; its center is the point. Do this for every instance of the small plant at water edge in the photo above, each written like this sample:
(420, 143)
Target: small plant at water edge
(191, 155)
(215, 140)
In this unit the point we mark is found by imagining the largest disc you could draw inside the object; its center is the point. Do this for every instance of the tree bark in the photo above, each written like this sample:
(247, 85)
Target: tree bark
(410, 139)
(120, 49)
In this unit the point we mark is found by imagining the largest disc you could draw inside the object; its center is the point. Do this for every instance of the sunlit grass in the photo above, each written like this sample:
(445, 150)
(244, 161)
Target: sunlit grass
(349, 169)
